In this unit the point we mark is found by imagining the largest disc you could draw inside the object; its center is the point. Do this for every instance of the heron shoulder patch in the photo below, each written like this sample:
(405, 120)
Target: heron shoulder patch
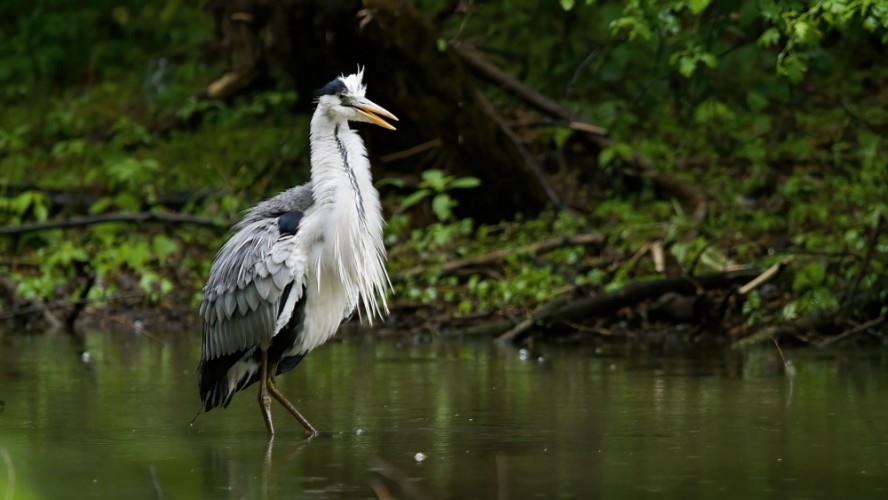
(288, 222)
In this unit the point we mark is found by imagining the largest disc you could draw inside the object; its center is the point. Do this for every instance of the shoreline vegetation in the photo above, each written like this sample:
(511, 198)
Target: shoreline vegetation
(619, 171)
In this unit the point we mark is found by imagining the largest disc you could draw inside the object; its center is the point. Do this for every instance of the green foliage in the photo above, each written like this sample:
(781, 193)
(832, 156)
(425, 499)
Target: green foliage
(437, 185)
(92, 135)
(771, 110)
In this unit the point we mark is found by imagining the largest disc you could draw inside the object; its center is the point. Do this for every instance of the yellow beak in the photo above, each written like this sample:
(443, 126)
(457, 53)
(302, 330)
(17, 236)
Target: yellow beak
(372, 111)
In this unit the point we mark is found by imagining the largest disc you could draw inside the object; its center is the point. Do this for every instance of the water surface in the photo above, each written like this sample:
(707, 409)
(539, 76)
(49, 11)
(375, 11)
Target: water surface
(444, 420)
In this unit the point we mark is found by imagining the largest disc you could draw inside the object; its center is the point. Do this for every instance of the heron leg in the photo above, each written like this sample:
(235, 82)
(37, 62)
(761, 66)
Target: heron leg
(273, 389)
(264, 400)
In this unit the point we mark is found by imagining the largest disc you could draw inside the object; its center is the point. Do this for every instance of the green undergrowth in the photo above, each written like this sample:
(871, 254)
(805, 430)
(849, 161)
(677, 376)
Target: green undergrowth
(775, 115)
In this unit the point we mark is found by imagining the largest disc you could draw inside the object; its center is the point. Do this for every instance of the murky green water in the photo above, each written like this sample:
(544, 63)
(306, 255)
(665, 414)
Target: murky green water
(490, 424)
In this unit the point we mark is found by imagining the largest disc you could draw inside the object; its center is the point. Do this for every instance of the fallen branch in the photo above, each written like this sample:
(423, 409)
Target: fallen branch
(415, 150)
(520, 89)
(81, 301)
(765, 276)
(540, 314)
(629, 295)
(531, 165)
(138, 217)
(490, 258)
(816, 321)
(8, 287)
(634, 293)
(870, 249)
(688, 194)
(691, 197)
(853, 331)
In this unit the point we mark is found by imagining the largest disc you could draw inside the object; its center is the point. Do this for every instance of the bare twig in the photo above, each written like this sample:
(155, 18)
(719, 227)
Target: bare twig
(138, 217)
(657, 255)
(853, 331)
(520, 89)
(871, 246)
(381, 490)
(786, 370)
(154, 483)
(10, 474)
(687, 193)
(415, 150)
(81, 301)
(542, 313)
(765, 276)
(502, 477)
(534, 169)
(395, 474)
(142, 331)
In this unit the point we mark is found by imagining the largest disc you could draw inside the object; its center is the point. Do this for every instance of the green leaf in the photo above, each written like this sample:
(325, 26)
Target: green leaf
(41, 213)
(414, 198)
(756, 101)
(792, 66)
(709, 59)
(163, 246)
(100, 205)
(561, 136)
(465, 183)
(769, 38)
(567, 4)
(686, 66)
(606, 156)
(127, 202)
(434, 179)
(441, 206)
(390, 181)
(698, 6)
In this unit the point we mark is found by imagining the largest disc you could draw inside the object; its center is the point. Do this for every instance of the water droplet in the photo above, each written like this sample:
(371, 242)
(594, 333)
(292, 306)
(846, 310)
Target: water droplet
(523, 354)
(419, 457)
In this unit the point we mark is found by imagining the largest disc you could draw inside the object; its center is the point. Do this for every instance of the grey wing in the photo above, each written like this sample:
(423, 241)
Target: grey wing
(249, 283)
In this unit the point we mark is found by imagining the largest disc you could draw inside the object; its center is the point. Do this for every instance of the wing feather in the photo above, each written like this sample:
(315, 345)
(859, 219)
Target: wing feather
(242, 298)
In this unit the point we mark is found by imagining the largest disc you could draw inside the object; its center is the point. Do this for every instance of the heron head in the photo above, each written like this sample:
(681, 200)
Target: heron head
(343, 99)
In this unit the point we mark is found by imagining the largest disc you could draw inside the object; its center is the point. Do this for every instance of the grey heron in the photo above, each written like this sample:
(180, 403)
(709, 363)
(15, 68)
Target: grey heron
(299, 263)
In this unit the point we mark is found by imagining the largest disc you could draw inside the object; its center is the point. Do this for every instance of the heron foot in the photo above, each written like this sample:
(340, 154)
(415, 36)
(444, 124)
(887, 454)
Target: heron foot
(273, 389)
(264, 400)
(265, 406)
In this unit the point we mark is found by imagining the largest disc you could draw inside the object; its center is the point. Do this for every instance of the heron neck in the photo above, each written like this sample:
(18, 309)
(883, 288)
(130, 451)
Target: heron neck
(339, 167)
(348, 214)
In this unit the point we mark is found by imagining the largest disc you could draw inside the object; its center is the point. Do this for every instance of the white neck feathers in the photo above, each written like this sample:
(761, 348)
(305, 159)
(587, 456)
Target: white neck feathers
(351, 244)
